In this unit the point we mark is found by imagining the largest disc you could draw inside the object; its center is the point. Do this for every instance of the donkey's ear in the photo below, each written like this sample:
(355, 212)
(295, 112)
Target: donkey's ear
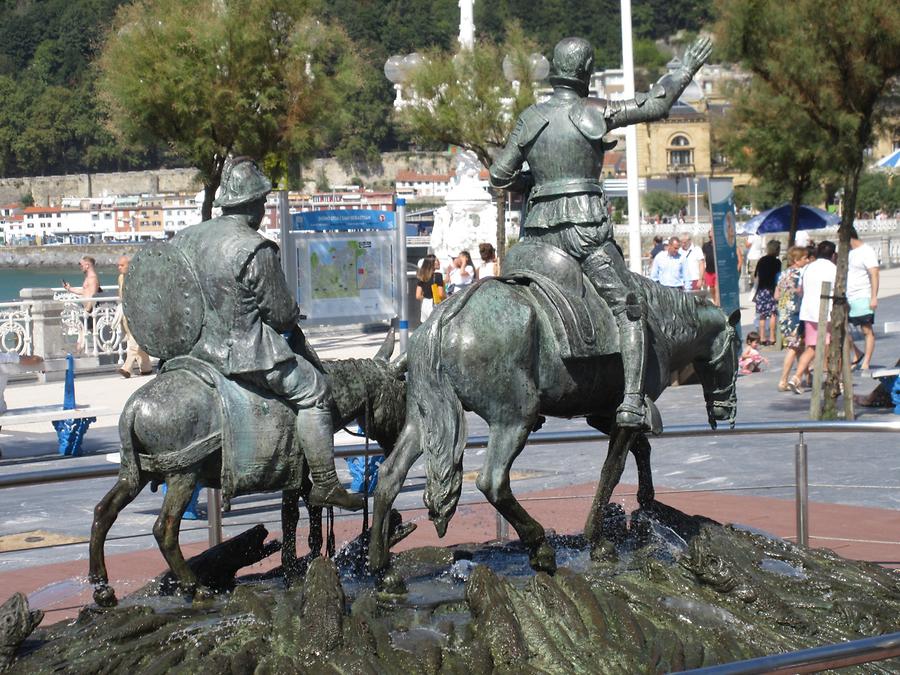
(735, 319)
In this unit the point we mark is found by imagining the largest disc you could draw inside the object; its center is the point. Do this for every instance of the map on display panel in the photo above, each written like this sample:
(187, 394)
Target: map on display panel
(343, 269)
(345, 277)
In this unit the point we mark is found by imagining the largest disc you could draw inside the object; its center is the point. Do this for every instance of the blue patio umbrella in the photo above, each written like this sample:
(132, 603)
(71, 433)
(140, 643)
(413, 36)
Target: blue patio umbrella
(779, 220)
(892, 161)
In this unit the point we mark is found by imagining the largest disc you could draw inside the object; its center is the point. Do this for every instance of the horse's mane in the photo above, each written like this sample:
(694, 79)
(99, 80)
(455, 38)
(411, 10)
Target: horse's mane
(675, 314)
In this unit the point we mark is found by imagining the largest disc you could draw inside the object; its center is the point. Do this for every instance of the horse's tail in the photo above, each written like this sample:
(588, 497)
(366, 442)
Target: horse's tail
(434, 408)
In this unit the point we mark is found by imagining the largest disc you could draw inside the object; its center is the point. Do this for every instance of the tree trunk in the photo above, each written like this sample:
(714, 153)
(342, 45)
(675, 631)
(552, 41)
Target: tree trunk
(839, 312)
(796, 197)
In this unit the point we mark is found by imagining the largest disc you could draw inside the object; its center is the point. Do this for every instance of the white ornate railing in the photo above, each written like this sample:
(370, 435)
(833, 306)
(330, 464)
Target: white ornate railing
(98, 331)
(16, 328)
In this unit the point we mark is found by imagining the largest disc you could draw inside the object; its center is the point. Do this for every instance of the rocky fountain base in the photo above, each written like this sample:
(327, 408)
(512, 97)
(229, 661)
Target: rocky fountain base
(679, 592)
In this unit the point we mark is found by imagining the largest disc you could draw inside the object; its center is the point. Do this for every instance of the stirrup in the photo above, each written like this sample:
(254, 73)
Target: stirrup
(632, 415)
(334, 494)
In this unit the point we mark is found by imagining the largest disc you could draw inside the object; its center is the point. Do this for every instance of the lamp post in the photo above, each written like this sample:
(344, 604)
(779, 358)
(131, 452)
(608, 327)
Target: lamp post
(399, 70)
(696, 201)
(536, 70)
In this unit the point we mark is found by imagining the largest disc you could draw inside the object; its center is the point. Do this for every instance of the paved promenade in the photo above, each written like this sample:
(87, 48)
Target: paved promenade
(854, 479)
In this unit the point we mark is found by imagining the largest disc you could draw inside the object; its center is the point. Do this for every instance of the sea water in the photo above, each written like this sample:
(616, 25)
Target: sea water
(12, 279)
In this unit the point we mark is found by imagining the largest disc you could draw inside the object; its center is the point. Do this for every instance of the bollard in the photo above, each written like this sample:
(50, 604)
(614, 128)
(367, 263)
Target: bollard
(502, 529)
(214, 516)
(802, 490)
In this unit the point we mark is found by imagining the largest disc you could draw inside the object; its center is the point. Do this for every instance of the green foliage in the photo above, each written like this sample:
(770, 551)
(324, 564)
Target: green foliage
(27, 200)
(769, 136)
(210, 79)
(660, 203)
(50, 121)
(647, 55)
(322, 184)
(878, 192)
(463, 99)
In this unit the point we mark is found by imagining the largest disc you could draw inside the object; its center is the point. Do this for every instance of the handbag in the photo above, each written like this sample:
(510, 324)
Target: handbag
(437, 293)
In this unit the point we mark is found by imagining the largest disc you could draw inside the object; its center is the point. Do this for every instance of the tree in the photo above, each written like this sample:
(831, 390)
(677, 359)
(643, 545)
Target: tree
(214, 77)
(773, 139)
(464, 99)
(834, 59)
(877, 192)
(661, 203)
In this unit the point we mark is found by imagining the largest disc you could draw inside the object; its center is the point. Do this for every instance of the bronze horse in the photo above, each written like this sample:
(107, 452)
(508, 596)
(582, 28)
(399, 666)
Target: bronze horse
(188, 436)
(488, 351)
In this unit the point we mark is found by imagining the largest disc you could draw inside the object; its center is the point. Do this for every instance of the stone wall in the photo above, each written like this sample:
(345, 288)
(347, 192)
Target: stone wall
(49, 190)
(381, 177)
(106, 255)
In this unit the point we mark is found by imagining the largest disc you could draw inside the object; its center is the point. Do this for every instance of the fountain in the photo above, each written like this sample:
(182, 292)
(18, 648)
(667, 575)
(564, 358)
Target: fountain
(681, 592)
(469, 217)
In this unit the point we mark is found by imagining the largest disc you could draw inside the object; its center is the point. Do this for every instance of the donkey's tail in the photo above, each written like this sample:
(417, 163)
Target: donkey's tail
(434, 408)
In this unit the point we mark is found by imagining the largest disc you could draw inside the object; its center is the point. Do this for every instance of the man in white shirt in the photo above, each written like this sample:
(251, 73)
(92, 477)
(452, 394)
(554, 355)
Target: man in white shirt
(692, 257)
(862, 294)
(668, 267)
(815, 274)
(801, 238)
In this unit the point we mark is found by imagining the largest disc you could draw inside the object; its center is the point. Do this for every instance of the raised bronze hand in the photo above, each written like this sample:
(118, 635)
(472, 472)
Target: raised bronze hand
(697, 54)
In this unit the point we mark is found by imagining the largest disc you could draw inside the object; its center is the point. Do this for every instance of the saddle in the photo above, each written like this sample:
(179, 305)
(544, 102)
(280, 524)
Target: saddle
(566, 301)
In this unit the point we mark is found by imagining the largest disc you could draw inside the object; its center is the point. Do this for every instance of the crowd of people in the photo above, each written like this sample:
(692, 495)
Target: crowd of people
(435, 282)
(679, 263)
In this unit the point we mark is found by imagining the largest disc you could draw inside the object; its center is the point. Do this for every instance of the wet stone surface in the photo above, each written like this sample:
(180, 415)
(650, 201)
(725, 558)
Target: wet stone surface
(678, 592)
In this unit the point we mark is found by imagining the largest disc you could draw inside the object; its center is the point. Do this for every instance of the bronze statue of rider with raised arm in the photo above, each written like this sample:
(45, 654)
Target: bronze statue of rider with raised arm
(561, 141)
(249, 309)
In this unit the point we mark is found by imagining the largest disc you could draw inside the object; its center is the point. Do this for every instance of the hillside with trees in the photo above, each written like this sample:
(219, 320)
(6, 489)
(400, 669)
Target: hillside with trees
(51, 120)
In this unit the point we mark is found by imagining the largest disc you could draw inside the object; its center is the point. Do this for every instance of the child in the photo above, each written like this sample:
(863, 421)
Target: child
(751, 359)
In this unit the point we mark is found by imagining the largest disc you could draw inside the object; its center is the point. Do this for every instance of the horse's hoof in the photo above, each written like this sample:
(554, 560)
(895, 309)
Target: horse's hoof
(604, 551)
(392, 584)
(543, 559)
(202, 594)
(105, 596)
(401, 532)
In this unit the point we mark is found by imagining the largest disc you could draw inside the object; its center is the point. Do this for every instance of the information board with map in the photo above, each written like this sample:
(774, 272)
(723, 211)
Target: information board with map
(345, 277)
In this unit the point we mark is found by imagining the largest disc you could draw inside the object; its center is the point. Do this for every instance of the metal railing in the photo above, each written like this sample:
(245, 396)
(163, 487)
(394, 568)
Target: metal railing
(813, 660)
(16, 328)
(801, 484)
(99, 331)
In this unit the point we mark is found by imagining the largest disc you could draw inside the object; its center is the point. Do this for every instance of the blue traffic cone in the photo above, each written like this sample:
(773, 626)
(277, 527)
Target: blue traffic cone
(70, 433)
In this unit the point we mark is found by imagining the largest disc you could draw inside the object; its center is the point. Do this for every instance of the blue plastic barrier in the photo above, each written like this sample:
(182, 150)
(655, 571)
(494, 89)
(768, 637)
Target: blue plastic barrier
(357, 467)
(70, 433)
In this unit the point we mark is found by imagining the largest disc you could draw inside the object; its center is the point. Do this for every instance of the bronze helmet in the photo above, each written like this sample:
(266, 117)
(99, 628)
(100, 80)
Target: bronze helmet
(242, 182)
(572, 64)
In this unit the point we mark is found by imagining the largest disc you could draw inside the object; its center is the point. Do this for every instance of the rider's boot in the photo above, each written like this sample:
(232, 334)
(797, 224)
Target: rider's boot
(315, 437)
(632, 412)
(607, 271)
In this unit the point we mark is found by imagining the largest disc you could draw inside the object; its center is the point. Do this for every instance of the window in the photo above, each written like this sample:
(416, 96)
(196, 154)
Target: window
(680, 154)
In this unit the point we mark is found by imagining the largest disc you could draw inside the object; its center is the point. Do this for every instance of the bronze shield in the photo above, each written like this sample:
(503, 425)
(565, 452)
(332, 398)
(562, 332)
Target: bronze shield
(162, 301)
